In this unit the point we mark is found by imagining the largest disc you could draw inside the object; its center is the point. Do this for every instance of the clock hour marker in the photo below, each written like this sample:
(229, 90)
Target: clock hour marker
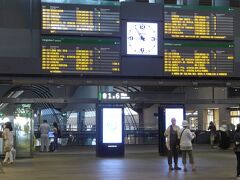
(130, 38)
(142, 26)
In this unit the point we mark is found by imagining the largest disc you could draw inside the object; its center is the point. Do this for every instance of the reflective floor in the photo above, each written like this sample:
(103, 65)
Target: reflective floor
(139, 163)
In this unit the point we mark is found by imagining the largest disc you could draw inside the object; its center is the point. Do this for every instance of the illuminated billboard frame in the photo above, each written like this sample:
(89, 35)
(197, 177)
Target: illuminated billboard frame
(110, 130)
(177, 113)
(112, 125)
(165, 113)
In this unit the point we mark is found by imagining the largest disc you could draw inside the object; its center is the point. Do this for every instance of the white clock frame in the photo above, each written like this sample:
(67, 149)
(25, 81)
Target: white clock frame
(142, 38)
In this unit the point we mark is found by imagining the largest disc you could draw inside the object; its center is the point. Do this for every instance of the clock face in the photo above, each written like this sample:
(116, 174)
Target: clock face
(142, 38)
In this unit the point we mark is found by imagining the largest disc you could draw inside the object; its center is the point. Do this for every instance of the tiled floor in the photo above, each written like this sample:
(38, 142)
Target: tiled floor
(139, 163)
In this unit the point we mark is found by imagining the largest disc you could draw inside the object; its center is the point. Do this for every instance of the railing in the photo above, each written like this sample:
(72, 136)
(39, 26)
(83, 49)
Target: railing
(141, 136)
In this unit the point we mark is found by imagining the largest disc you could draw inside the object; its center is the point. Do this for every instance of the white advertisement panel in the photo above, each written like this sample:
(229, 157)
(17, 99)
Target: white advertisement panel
(176, 113)
(112, 125)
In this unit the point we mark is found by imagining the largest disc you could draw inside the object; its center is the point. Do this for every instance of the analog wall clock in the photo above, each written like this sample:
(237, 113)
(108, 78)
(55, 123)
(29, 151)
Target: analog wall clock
(142, 38)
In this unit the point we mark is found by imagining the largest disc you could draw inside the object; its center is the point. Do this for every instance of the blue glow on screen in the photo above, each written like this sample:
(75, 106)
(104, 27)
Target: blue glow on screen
(51, 134)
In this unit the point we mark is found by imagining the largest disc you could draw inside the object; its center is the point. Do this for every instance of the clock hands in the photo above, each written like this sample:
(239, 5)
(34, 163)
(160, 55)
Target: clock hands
(141, 36)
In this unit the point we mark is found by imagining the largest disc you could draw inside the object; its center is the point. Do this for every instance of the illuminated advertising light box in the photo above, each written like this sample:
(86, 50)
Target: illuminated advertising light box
(109, 130)
(112, 125)
(165, 113)
(177, 113)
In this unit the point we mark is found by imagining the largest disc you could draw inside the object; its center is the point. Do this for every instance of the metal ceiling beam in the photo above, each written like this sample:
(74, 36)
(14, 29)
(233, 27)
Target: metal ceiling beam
(76, 80)
(156, 100)
(48, 100)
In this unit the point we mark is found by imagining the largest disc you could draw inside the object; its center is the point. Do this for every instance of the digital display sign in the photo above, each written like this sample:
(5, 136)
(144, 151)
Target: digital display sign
(187, 22)
(112, 125)
(81, 19)
(113, 96)
(177, 113)
(198, 59)
(80, 55)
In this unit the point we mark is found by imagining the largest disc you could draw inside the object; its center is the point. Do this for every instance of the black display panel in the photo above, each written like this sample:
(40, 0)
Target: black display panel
(142, 33)
(191, 22)
(165, 113)
(110, 130)
(67, 55)
(198, 59)
(142, 66)
(81, 19)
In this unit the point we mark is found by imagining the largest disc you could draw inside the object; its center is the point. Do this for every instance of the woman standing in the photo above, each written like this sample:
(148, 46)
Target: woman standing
(8, 142)
(56, 135)
(186, 137)
(237, 148)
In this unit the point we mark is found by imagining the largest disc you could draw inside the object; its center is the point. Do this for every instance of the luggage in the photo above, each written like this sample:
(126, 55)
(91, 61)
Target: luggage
(52, 147)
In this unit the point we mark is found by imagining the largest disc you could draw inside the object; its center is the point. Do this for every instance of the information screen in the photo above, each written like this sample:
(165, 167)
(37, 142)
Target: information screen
(215, 23)
(176, 113)
(198, 59)
(80, 55)
(112, 125)
(81, 19)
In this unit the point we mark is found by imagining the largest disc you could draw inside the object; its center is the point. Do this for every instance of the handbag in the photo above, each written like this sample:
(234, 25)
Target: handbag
(7, 148)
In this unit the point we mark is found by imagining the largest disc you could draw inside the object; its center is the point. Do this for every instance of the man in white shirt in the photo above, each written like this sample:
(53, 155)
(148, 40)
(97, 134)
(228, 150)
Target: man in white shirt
(44, 130)
(172, 143)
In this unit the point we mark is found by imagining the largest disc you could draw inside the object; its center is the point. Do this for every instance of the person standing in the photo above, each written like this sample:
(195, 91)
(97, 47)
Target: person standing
(224, 138)
(8, 143)
(56, 135)
(212, 129)
(186, 137)
(237, 148)
(172, 144)
(44, 130)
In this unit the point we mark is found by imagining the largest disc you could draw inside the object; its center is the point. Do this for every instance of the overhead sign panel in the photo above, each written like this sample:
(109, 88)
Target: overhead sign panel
(81, 19)
(198, 59)
(189, 22)
(68, 55)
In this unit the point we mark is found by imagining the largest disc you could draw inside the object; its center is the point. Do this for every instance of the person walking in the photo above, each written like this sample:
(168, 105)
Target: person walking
(8, 143)
(172, 144)
(212, 129)
(56, 135)
(237, 148)
(44, 130)
(186, 137)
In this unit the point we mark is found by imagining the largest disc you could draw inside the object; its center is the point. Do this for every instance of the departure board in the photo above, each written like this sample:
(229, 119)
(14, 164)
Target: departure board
(210, 23)
(80, 19)
(80, 55)
(198, 59)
